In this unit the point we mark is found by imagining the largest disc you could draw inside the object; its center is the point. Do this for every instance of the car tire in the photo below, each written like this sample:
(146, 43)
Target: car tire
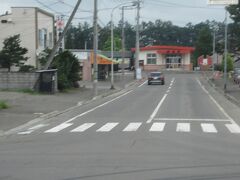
(149, 83)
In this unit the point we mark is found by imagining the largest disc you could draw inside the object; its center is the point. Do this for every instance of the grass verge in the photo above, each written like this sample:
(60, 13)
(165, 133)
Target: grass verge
(3, 105)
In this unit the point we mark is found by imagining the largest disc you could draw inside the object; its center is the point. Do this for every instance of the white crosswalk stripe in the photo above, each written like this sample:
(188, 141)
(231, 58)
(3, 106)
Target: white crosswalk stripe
(183, 127)
(157, 127)
(208, 128)
(107, 127)
(233, 128)
(132, 127)
(58, 128)
(30, 130)
(83, 127)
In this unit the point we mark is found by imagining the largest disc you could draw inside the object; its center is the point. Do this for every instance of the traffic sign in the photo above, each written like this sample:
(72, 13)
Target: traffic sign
(222, 2)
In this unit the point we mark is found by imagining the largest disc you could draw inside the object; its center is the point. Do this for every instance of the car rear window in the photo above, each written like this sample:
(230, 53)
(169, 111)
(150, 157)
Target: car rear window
(156, 74)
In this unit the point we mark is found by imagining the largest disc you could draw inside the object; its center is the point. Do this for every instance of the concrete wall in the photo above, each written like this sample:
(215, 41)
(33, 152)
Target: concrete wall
(15, 80)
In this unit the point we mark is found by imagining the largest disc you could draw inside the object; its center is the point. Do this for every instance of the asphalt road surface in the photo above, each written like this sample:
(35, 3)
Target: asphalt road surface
(183, 130)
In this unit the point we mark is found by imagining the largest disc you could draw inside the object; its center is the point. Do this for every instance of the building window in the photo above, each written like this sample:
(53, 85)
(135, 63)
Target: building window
(151, 59)
(50, 39)
(42, 37)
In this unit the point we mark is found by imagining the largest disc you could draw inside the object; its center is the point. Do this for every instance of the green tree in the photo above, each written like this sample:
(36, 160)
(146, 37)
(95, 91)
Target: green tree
(12, 53)
(68, 69)
(116, 44)
(43, 56)
(234, 12)
(234, 28)
(229, 63)
(204, 43)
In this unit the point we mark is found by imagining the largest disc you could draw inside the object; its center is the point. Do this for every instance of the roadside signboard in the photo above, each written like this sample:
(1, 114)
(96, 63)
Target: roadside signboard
(222, 2)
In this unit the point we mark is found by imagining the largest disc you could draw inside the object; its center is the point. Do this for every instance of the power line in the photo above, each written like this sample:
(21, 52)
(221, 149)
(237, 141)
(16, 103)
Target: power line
(177, 5)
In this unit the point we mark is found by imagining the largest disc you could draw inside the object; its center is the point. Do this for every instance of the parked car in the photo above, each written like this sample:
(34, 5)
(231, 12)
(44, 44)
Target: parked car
(156, 77)
(236, 76)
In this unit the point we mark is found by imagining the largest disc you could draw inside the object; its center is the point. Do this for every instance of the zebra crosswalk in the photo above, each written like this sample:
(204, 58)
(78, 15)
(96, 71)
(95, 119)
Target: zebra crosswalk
(130, 127)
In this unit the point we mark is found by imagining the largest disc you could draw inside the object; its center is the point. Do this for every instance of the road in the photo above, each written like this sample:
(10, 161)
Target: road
(183, 130)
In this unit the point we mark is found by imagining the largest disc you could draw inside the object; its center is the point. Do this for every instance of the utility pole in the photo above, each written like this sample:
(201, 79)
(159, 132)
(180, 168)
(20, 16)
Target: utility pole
(112, 49)
(95, 46)
(225, 52)
(123, 41)
(85, 45)
(214, 49)
(137, 70)
(54, 50)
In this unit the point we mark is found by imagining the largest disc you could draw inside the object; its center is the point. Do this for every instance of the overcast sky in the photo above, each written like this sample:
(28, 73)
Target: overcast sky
(180, 12)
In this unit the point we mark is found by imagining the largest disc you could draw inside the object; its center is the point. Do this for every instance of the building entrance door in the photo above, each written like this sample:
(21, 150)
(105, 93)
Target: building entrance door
(173, 61)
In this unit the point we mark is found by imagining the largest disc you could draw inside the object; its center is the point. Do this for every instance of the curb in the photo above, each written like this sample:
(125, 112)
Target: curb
(228, 96)
(57, 113)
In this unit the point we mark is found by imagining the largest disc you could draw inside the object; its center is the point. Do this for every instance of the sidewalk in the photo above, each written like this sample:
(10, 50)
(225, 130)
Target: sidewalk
(26, 107)
(233, 90)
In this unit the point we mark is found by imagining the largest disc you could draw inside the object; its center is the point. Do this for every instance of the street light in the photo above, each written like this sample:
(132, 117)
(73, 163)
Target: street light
(112, 38)
(225, 51)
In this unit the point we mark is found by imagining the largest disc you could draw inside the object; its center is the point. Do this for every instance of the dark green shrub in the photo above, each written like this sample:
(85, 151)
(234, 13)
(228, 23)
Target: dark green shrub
(27, 68)
(3, 105)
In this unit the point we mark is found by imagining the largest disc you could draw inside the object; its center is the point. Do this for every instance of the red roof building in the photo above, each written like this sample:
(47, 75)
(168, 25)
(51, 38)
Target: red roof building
(154, 58)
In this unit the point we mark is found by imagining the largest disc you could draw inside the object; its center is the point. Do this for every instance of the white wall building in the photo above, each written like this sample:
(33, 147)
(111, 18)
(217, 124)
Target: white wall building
(35, 26)
(154, 58)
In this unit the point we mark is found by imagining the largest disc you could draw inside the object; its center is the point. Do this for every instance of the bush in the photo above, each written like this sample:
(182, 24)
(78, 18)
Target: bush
(68, 69)
(3, 105)
(229, 63)
(26, 68)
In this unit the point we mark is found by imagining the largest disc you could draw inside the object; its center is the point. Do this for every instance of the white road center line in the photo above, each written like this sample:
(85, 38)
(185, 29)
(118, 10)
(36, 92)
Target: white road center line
(132, 127)
(83, 127)
(233, 128)
(142, 84)
(208, 128)
(58, 128)
(157, 127)
(156, 109)
(107, 127)
(93, 109)
(183, 127)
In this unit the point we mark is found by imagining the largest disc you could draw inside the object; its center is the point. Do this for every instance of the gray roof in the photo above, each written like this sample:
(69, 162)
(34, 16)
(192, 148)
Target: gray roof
(117, 54)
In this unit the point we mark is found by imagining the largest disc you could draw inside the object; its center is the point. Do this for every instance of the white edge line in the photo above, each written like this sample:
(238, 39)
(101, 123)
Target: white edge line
(142, 84)
(82, 114)
(156, 109)
(218, 105)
